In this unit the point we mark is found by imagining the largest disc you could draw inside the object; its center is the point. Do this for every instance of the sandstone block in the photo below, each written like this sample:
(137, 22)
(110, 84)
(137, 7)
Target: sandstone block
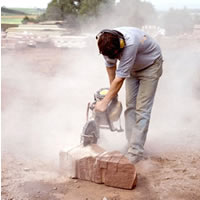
(68, 159)
(92, 163)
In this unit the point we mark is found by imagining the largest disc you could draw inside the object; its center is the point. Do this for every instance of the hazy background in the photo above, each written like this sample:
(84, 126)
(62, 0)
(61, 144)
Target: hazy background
(161, 5)
(46, 113)
(44, 106)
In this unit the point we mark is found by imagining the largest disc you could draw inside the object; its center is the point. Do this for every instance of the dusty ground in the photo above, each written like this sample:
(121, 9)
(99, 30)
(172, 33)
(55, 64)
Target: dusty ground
(171, 174)
(167, 177)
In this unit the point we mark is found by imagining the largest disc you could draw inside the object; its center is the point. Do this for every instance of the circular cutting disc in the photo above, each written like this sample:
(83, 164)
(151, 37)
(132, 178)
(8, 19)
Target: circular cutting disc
(90, 133)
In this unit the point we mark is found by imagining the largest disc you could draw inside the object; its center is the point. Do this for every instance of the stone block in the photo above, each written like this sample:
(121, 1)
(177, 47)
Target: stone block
(68, 159)
(92, 163)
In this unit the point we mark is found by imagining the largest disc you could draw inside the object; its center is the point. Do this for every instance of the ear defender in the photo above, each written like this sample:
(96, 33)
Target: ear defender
(122, 43)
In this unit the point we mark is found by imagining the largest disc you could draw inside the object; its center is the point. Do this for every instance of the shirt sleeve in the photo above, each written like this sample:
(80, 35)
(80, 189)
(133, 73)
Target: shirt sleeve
(127, 61)
(110, 62)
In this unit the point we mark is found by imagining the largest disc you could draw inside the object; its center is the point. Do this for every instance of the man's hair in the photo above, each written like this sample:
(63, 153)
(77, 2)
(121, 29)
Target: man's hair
(109, 45)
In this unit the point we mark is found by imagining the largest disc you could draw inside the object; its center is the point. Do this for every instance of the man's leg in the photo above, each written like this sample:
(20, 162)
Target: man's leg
(148, 80)
(131, 85)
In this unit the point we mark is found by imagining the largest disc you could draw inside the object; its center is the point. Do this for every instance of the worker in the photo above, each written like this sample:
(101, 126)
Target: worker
(139, 60)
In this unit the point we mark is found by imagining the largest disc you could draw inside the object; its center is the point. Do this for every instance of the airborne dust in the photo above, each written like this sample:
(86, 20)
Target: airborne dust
(45, 92)
(45, 95)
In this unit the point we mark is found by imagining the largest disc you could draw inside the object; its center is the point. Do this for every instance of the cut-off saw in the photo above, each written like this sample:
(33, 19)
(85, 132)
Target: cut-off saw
(95, 120)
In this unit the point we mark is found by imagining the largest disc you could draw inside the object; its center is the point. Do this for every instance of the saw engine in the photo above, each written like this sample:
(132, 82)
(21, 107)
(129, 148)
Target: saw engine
(101, 120)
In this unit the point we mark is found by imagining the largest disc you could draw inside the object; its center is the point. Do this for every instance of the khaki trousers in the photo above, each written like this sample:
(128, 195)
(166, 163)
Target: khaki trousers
(140, 92)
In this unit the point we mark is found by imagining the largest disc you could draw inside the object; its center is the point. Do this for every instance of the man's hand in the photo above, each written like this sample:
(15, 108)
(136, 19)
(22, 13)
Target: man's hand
(116, 84)
(100, 106)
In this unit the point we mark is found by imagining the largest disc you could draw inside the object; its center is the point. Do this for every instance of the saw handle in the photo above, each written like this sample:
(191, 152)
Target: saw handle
(90, 106)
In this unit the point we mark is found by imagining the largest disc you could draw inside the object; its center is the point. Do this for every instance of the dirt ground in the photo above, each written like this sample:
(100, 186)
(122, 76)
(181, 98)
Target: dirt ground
(166, 177)
(171, 174)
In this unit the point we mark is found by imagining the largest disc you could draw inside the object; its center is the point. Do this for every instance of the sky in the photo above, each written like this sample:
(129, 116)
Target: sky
(166, 4)
(158, 4)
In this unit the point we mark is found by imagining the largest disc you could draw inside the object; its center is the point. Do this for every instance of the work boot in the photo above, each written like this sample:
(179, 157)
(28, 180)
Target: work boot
(133, 158)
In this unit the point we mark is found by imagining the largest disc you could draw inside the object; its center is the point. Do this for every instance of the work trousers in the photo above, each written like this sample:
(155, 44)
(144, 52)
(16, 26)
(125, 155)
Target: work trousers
(140, 92)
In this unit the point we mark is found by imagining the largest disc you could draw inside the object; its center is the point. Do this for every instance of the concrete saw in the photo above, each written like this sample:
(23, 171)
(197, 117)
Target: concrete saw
(101, 120)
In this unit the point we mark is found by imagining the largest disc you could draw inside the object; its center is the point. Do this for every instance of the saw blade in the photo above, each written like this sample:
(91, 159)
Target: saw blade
(90, 133)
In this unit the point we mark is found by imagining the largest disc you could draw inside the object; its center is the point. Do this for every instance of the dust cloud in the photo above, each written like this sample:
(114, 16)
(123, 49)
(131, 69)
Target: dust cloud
(176, 113)
(42, 113)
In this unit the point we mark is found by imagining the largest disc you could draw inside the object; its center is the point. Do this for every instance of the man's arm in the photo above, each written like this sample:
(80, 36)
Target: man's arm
(111, 73)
